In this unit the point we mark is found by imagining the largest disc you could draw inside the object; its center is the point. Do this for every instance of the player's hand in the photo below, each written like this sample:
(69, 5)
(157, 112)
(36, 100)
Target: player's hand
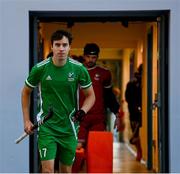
(28, 127)
(119, 121)
(79, 115)
(120, 113)
(119, 124)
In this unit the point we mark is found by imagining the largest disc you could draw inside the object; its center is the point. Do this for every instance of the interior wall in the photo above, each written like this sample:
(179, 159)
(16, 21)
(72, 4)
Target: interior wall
(125, 79)
(144, 129)
(111, 37)
(154, 93)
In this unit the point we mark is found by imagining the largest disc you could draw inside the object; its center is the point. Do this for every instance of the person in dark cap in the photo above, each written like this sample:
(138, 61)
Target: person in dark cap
(91, 49)
(102, 83)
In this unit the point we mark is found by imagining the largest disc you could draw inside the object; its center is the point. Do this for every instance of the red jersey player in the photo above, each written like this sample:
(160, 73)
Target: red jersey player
(95, 119)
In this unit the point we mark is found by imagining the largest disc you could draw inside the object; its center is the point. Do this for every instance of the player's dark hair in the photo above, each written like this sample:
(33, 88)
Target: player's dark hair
(58, 35)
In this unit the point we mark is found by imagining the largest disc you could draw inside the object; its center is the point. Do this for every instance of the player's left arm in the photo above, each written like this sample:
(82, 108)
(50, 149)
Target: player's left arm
(87, 88)
(89, 99)
(87, 104)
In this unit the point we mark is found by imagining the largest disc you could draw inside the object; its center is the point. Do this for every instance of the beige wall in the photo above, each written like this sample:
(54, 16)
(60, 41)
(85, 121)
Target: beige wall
(111, 37)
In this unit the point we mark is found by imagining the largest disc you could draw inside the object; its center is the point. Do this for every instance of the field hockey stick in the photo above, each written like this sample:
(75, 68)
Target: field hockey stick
(35, 126)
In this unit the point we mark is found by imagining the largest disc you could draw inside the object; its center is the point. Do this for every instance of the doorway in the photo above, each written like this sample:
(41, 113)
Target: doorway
(118, 18)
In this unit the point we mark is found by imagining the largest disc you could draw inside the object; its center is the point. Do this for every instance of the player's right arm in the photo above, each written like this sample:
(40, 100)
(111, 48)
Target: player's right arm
(25, 101)
(30, 83)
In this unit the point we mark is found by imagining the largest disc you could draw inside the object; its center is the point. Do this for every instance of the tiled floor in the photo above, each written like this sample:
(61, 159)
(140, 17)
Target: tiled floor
(125, 162)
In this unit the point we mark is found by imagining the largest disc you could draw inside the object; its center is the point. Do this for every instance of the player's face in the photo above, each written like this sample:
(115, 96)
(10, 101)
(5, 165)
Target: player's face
(61, 49)
(90, 60)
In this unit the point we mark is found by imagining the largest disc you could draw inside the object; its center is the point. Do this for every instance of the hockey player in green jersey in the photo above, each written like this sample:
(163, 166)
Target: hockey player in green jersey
(58, 78)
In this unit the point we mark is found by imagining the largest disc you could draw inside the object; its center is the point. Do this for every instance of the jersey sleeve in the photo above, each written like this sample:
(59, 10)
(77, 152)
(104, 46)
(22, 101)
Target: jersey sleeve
(34, 77)
(84, 78)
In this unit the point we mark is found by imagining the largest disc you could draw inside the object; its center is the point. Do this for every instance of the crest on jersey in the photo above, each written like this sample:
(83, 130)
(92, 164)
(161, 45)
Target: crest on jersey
(71, 76)
(97, 76)
(48, 77)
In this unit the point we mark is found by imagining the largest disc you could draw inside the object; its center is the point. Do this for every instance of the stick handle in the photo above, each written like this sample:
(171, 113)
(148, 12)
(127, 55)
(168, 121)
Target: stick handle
(44, 119)
(24, 135)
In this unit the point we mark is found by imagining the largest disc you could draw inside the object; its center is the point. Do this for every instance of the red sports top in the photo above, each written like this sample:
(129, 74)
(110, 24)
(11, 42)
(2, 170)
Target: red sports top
(101, 78)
